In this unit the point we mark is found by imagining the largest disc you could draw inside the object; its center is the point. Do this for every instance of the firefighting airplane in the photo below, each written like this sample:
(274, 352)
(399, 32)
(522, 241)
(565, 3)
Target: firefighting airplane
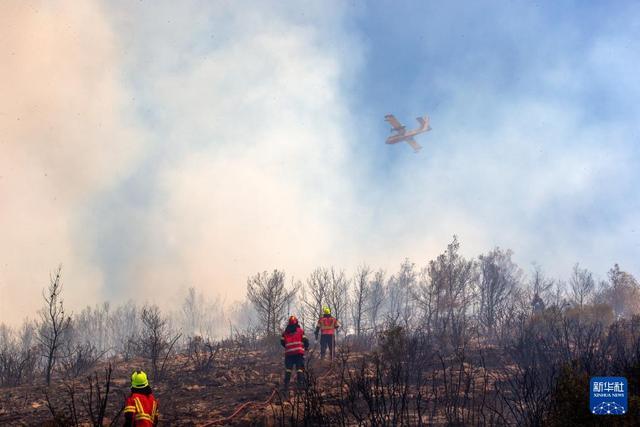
(401, 133)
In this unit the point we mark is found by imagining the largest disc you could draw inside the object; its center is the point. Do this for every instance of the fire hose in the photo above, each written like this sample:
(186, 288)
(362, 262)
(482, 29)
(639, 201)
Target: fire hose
(222, 421)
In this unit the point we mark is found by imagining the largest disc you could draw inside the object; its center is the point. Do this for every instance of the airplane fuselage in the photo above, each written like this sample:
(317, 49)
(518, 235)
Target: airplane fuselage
(394, 139)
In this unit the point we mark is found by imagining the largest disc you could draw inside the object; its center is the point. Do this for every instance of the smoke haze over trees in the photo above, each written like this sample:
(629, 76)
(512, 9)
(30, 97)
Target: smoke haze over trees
(445, 296)
(154, 149)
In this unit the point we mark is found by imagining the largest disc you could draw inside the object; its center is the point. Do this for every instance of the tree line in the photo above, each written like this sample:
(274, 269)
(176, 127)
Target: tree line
(448, 296)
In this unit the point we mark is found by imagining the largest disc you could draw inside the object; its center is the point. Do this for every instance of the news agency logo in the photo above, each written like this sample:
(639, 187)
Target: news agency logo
(608, 396)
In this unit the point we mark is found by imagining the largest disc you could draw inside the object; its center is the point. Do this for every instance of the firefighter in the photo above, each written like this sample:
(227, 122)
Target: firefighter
(141, 408)
(295, 343)
(327, 326)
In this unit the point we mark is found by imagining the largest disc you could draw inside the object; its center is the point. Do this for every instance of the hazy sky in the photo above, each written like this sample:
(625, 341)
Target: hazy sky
(149, 147)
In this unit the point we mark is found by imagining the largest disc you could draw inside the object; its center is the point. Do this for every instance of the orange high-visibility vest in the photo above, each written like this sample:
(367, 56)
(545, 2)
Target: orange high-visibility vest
(293, 342)
(144, 408)
(328, 325)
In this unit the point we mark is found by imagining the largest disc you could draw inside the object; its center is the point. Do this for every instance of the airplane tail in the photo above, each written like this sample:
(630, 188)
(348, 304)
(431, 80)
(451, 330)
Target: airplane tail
(424, 123)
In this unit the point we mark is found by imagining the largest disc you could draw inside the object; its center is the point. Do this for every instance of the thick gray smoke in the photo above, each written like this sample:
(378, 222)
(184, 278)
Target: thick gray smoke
(63, 138)
(242, 165)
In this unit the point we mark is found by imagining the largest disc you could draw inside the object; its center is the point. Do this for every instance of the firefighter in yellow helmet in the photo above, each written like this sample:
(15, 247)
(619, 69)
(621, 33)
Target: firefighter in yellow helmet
(327, 327)
(141, 408)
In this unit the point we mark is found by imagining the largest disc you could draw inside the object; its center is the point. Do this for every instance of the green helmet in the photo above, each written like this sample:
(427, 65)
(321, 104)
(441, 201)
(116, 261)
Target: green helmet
(139, 379)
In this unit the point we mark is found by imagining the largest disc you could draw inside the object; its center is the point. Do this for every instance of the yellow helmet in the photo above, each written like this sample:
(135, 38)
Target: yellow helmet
(326, 310)
(139, 379)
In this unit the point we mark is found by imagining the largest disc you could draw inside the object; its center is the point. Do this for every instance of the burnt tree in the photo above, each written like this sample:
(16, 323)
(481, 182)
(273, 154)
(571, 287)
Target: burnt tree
(53, 323)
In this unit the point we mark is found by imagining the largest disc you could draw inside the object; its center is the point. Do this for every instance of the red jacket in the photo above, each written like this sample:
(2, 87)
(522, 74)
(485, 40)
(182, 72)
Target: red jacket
(327, 325)
(143, 408)
(294, 342)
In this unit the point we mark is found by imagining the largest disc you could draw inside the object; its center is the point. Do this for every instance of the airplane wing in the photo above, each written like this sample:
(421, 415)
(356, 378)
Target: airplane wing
(395, 124)
(412, 142)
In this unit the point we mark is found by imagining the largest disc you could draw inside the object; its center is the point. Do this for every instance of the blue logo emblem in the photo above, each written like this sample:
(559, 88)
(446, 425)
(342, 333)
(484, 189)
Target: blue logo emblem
(608, 395)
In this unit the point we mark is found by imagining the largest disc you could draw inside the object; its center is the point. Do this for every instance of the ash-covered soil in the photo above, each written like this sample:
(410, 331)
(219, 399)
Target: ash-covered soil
(191, 391)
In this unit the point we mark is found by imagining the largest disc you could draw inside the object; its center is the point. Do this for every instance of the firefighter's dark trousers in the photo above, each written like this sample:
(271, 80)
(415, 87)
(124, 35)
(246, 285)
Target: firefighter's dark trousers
(292, 362)
(326, 341)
